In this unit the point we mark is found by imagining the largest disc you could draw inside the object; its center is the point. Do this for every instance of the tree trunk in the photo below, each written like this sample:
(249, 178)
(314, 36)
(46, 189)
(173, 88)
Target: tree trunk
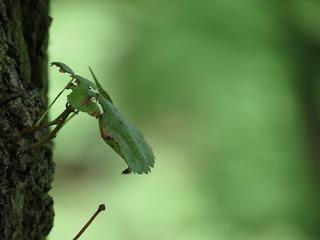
(26, 209)
(304, 43)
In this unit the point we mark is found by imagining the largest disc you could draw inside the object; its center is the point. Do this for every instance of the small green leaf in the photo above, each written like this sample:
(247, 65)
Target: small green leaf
(100, 88)
(125, 139)
(62, 67)
(83, 81)
(81, 99)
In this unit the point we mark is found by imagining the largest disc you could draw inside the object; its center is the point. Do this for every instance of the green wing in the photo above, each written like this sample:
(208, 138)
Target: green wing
(125, 139)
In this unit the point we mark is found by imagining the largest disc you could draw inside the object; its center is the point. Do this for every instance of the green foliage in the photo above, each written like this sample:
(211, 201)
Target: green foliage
(124, 138)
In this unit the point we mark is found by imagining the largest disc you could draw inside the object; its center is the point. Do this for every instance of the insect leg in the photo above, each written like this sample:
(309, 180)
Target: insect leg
(53, 122)
(60, 124)
(56, 98)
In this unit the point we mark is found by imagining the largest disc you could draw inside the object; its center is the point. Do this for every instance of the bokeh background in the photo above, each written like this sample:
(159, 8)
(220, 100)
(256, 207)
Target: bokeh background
(227, 94)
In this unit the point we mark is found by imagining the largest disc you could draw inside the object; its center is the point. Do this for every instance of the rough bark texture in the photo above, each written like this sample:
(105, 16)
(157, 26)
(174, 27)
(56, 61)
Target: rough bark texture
(26, 209)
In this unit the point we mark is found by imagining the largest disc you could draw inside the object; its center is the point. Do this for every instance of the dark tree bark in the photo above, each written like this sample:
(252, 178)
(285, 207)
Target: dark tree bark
(26, 209)
(305, 50)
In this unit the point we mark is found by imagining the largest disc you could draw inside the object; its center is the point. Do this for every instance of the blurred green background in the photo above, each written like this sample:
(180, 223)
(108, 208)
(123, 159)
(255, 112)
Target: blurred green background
(226, 94)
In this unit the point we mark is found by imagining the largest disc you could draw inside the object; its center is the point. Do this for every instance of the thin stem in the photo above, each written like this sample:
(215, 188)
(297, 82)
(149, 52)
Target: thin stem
(100, 88)
(102, 207)
(47, 110)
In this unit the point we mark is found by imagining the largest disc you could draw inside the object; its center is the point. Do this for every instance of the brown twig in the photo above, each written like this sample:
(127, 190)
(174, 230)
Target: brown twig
(102, 207)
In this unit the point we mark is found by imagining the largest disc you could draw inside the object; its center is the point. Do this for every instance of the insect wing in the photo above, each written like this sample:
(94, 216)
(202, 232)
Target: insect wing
(125, 138)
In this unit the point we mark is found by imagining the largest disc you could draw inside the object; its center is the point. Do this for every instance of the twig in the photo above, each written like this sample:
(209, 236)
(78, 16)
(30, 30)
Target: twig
(102, 207)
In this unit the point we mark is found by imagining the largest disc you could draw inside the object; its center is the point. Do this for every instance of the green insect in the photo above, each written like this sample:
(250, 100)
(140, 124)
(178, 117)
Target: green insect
(86, 96)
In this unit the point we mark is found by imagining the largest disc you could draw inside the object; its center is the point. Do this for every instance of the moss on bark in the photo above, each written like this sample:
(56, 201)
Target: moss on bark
(26, 209)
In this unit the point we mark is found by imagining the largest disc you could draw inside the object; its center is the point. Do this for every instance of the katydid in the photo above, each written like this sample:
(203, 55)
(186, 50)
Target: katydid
(91, 98)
